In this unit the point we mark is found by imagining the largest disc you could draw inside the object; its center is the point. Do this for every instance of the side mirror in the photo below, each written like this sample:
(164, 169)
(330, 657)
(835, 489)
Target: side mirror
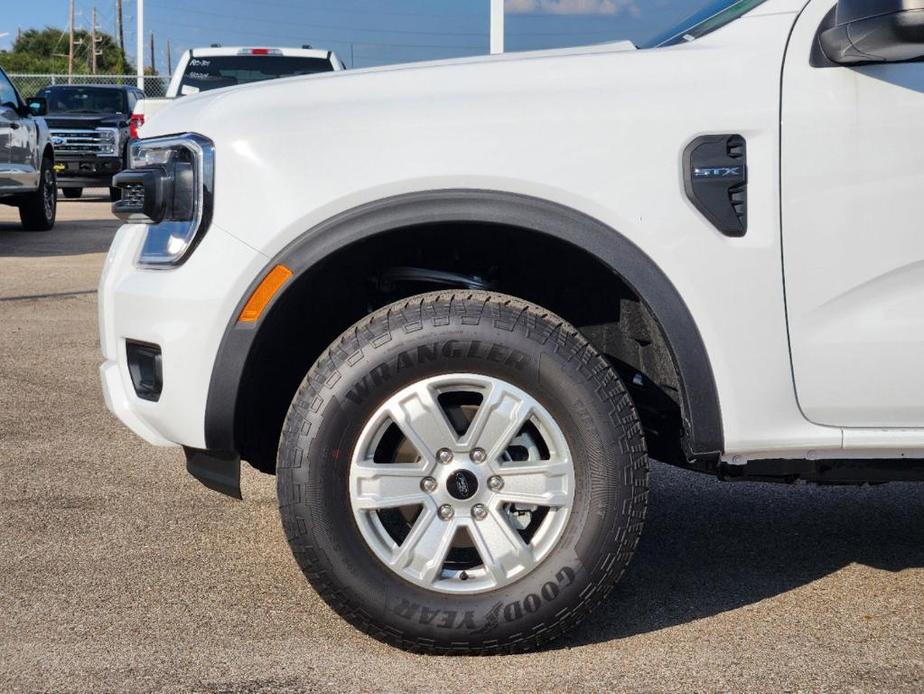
(38, 106)
(875, 31)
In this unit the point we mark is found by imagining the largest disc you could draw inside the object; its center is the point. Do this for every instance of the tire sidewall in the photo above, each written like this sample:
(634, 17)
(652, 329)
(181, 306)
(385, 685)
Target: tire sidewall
(32, 212)
(48, 190)
(597, 420)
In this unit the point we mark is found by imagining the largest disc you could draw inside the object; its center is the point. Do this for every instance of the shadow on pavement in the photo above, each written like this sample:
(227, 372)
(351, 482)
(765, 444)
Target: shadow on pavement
(76, 237)
(87, 197)
(711, 546)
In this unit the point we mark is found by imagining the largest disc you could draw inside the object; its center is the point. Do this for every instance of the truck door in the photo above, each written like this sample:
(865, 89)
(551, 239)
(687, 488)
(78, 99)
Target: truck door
(24, 158)
(852, 186)
(8, 116)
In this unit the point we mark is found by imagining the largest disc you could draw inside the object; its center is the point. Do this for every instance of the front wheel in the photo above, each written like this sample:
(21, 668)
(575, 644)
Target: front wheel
(462, 472)
(37, 210)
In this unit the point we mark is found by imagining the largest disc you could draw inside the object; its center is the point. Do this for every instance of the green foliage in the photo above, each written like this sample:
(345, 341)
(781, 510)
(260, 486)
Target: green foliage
(45, 51)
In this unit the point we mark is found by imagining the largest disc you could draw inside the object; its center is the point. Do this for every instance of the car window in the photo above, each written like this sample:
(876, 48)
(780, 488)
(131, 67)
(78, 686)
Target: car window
(707, 18)
(72, 99)
(7, 93)
(212, 72)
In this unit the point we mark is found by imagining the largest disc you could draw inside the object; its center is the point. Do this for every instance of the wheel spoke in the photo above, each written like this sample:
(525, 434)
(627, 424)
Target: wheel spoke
(513, 457)
(422, 421)
(424, 550)
(503, 552)
(387, 486)
(542, 483)
(497, 421)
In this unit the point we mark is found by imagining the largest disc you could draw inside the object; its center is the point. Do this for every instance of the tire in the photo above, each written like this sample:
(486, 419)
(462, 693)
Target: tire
(578, 403)
(72, 193)
(37, 210)
(115, 194)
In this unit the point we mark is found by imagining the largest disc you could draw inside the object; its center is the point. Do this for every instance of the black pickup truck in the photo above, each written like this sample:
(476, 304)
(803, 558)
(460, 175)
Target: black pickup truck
(90, 129)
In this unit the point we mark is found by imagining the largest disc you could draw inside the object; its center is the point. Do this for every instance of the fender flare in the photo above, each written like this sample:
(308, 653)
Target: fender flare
(615, 251)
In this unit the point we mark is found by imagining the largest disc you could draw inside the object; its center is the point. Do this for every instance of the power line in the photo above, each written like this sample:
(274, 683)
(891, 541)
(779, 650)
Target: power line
(339, 9)
(313, 25)
(561, 33)
(277, 19)
(301, 37)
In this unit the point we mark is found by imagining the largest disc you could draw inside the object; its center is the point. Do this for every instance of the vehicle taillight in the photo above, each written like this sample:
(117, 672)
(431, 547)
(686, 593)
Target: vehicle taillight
(135, 122)
(259, 51)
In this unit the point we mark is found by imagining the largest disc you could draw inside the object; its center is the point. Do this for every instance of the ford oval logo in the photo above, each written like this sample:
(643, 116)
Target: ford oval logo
(55, 141)
(462, 484)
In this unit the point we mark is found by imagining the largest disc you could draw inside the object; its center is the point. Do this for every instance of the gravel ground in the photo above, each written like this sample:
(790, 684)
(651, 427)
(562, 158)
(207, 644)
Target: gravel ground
(119, 572)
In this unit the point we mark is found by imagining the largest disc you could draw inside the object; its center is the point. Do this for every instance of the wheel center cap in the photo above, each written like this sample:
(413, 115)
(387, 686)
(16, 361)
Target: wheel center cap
(462, 484)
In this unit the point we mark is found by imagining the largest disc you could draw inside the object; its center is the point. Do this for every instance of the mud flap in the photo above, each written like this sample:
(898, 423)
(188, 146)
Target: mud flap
(217, 470)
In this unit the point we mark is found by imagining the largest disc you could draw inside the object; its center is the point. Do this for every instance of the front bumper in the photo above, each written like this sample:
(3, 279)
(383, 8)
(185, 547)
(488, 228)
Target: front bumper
(184, 311)
(86, 171)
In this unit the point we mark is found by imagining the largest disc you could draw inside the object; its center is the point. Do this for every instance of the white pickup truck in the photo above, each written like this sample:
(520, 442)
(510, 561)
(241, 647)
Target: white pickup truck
(457, 307)
(203, 69)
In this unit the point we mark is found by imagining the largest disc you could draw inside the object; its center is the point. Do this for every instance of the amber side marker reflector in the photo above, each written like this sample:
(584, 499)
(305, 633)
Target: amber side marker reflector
(264, 293)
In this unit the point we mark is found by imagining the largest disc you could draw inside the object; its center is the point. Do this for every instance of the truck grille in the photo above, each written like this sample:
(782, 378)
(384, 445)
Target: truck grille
(101, 141)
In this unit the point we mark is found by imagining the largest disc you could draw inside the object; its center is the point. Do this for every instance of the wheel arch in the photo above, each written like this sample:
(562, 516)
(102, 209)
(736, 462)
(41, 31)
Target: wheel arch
(700, 402)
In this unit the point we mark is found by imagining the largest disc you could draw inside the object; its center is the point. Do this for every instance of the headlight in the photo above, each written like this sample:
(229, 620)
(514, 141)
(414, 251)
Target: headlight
(168, 185)
(108, 138)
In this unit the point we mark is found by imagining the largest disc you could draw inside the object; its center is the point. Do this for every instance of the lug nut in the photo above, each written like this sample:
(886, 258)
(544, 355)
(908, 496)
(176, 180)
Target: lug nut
(446, 512)
(478, 455)
(495, 483)
(428, 484)
(479, 512)
(444, 455)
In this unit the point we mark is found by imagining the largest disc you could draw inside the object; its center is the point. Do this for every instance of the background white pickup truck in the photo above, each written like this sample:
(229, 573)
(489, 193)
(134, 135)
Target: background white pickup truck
(203, 69)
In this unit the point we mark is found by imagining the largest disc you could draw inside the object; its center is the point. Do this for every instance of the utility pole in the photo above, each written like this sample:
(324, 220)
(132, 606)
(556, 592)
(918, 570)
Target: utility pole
(169, 59)
(70, 50)
(497, 26)
(93, 42)
(153, 63)
(120, 32)
(139, 43)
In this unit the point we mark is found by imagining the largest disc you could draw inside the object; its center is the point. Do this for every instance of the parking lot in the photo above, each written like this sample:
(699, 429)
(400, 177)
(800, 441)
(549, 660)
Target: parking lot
(119, 572)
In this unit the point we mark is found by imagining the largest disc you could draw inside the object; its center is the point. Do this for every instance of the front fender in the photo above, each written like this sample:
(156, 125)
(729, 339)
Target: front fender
(701, 401)
(43, 142)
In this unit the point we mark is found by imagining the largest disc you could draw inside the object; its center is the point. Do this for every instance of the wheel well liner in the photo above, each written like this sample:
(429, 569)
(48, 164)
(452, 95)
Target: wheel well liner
(621, 256)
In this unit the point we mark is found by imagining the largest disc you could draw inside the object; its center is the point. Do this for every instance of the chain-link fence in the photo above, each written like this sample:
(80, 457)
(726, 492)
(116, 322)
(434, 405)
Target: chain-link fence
(29, 84)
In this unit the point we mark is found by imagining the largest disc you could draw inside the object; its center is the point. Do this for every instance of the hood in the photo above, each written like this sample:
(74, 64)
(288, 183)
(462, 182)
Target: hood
(87, 121)
(214, 107)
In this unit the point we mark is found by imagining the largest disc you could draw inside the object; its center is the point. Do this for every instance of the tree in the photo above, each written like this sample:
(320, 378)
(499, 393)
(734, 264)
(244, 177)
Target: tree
(45, 51)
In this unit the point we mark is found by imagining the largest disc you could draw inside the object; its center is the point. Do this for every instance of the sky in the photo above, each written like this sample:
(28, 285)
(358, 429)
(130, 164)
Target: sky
(362, 32)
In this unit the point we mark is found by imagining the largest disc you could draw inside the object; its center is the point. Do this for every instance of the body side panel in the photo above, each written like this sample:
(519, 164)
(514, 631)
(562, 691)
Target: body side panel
(608, 145)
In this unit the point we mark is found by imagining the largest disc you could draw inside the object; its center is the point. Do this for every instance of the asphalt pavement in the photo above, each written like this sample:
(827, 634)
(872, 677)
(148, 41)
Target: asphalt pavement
(119, 572)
